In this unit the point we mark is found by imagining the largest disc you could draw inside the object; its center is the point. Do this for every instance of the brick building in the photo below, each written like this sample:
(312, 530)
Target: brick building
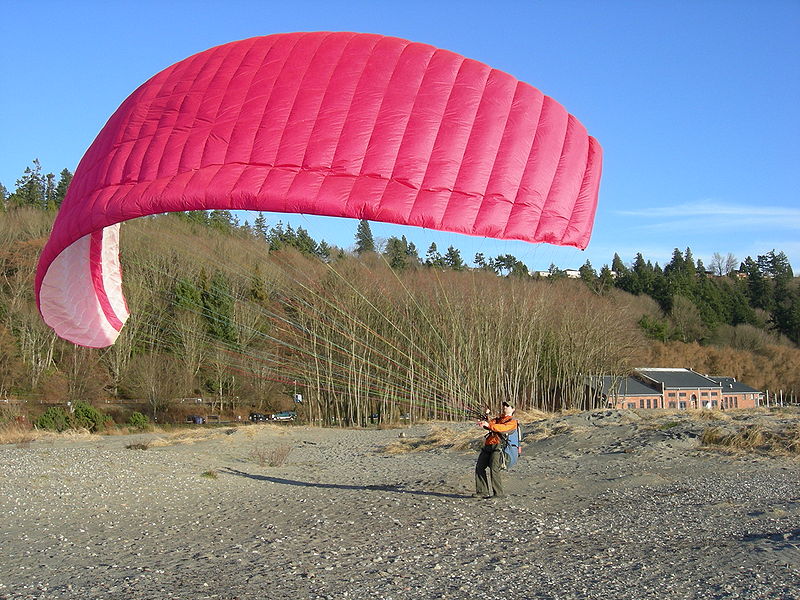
(676, 389)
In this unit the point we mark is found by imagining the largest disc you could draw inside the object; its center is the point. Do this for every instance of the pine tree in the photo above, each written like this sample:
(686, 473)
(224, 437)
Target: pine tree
(396, 253)
(260, 226)
(588, 274)
(364, 241)
(258, 291)
(50, 192)
(411, 251)
(3, 197)
(605, 280)
(218, 308)
(30, 187)
(433, 258)
(62, 186)
(618, 266)
(324, 250)
(452, 259)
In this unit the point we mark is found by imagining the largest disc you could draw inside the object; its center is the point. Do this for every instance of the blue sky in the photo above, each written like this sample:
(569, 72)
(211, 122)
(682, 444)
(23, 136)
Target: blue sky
(695, 103)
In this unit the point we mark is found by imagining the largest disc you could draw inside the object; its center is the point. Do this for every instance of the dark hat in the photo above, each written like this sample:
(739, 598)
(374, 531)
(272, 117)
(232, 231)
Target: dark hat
(509, 403)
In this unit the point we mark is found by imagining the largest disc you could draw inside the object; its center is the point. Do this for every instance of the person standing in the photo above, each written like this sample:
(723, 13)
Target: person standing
(491, 454)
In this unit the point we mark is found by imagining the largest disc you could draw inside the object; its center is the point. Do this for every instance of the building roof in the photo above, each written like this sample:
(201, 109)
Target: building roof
(730, 385)
(627, 386)
(678, 378)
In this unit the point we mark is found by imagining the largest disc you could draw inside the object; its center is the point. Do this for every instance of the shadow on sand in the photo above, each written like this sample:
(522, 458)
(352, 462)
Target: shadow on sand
(399, 489)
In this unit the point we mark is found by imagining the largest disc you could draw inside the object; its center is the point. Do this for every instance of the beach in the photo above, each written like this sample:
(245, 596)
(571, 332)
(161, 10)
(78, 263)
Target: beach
(602, 504)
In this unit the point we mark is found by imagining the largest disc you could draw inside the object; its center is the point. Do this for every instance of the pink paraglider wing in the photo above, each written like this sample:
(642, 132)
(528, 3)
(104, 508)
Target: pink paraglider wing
(338, 124)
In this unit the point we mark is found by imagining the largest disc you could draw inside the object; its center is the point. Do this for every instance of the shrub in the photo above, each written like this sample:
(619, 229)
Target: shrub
(54, 418)
(138, 421)
(87, 416)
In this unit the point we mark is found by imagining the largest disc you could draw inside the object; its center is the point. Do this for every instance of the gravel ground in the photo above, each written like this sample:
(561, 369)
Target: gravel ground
(606, 506)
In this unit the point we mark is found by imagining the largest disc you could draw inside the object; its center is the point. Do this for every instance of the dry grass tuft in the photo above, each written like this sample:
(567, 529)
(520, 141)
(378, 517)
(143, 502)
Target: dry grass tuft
(187, 437)
(210, 474)
(273, 457)
(754, 438)
(139, 445)
(21, 435)
(438, 438)
(709, 415)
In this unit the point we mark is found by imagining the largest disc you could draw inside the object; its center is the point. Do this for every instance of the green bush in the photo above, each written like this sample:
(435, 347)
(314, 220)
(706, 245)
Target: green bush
(87, 416)
(138, 420)
(54, 418)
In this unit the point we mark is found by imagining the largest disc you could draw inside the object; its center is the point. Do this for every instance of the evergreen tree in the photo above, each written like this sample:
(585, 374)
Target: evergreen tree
(222, 220)
(556, 273)
(759, 289)
(588, 274)
(324, 250)
(605, 280)
(701, 269)
(688, 264)
(187, 295)
(411, 251)
(218, 308)
(260, 226)
(62, 186)
(396, 253)
(305, 243)
(3, 197)
(787, 315)
(453, 260)
(200, 217)
(364, 240)
(618, 266)
(50, 192)
(433, 258)
(258, 290)
(30, 187)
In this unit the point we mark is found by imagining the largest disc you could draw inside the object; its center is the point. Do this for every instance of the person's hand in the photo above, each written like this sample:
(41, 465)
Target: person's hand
(483, 424)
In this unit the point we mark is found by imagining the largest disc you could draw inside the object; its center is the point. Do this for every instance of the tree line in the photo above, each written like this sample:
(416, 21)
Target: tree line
(242, 314)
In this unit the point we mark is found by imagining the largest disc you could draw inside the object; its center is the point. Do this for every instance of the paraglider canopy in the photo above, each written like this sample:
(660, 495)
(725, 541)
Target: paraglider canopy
(338, 124)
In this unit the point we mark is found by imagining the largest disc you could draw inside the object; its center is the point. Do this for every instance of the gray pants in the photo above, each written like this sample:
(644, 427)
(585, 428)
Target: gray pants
(490, 457)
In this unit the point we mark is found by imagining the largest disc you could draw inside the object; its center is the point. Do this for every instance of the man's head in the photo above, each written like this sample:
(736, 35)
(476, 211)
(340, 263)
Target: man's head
(508, 408)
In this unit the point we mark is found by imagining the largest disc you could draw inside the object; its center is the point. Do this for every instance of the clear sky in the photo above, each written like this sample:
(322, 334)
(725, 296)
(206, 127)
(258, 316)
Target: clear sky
(694, 102)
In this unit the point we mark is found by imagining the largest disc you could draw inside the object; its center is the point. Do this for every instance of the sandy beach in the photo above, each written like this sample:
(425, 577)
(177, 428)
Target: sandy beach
(603, 504)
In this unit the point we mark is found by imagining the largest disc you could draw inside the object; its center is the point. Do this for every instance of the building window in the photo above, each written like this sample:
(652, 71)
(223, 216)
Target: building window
(672, 405)
(631, 405)
(682, 405)
(682, 394)
(704, 393)
(641, 403)
(671, 394)
(714, 394)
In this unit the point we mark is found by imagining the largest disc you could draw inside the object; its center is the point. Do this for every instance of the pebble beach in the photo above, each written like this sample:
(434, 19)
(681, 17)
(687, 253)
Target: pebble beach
(602, 504)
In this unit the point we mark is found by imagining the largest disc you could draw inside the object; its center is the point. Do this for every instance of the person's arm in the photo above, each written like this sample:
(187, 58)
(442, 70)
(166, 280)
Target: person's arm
(511, 425)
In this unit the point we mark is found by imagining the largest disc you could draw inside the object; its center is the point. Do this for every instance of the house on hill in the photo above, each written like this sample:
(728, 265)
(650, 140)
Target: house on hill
(677, 389)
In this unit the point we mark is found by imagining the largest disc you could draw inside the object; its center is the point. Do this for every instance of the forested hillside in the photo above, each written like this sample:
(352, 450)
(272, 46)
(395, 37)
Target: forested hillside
(247, 315)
